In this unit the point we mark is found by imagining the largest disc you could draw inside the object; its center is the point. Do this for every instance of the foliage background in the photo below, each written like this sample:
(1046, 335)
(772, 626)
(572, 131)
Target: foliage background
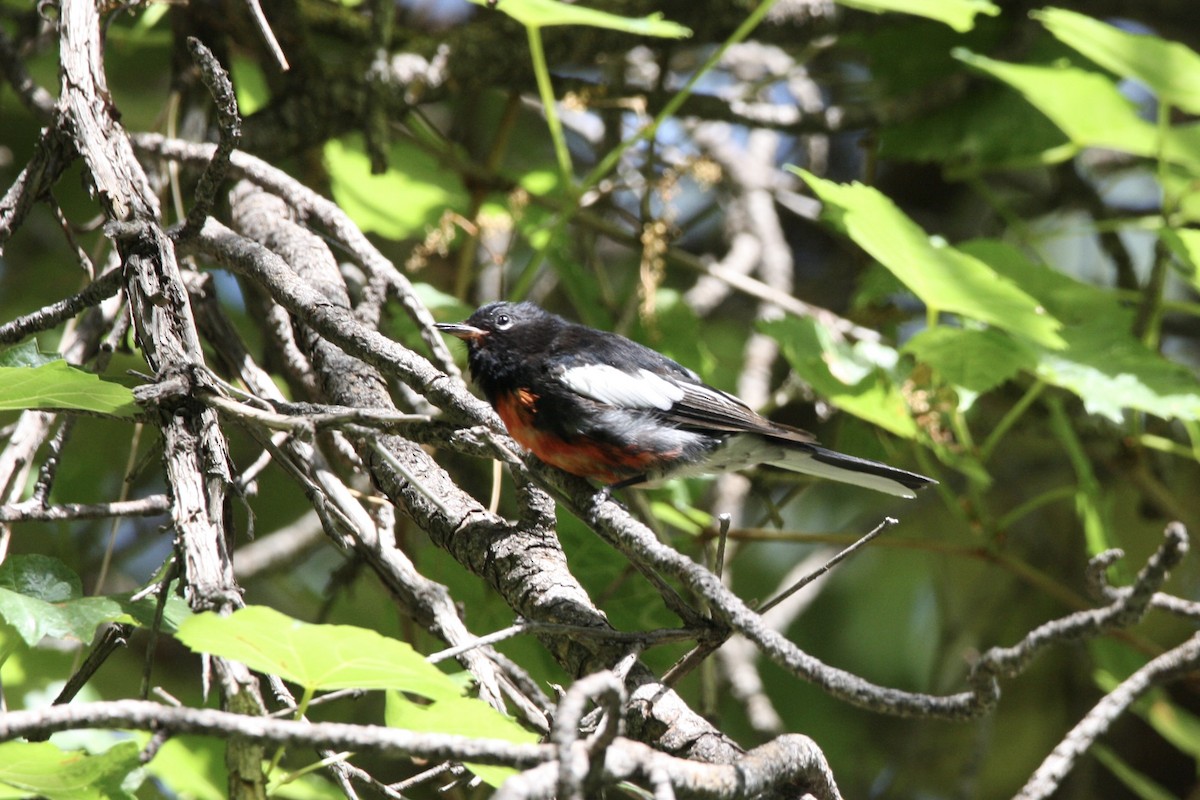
(1069, 187)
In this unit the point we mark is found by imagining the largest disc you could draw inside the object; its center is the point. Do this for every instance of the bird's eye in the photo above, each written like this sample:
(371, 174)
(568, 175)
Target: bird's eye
(503, 322)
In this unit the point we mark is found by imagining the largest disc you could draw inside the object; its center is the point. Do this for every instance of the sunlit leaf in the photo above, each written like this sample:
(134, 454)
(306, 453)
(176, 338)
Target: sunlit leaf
(851, 378)
(249, 84)
(1102, 362)
(465, 716)
(691, 520)
(306, 787)
(1170, 69)
(403, 202)
(154, 14)
(42, 769)
(192, 766)
(1090, 109)
(40, 596)
(26, 354)
(1111, 371)
(315, 656)
(958, 14)
(978, 360)
(544, 13)
(1185, 244)
(942, 276)
(444, 306)
(57, 384)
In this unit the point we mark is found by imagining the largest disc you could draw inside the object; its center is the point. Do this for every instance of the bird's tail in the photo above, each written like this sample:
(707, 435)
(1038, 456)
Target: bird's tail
(812, 459)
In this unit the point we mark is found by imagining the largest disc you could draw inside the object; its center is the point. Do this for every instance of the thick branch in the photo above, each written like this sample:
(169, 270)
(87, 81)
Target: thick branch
(194, 449)
(786, 761)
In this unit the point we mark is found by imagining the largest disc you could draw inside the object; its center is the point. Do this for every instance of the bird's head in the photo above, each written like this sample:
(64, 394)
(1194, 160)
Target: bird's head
(504, 335)
(500, 325)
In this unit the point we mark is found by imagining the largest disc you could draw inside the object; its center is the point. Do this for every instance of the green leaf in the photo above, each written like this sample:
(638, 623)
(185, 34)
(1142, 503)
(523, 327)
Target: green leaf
(1102, 362)
(57, 384)
(1090, 109)
(305, 787)
(192, 767)
(42, 769)
(465, 716)
(26, 354)
(154, 14)
(442, 305)
(692, 521)
(977, 360)
(958, 14)
(249, 84)
(943, 277)
(40, 596)
(142, 611)
(1110, 370)
(403, 202)
(544, 13)
(315, 656)
(35, 619)
(40, 577)
(1179, 189)
(1170, 69)
(853, 378)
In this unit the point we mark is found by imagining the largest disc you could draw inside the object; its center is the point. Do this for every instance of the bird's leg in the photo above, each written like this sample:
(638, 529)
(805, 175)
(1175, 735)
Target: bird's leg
(606, 492)
(625, 484)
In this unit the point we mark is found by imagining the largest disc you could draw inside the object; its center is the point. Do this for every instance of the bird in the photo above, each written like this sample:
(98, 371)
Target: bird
(606, 408)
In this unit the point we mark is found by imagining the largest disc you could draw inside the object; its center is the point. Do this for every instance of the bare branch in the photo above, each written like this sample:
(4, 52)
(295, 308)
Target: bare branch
(154, 716)
(524, 562)
(35, 512)
(1126, 609)
(842, 555)
(194, 449)
(54, 153)
(229, 125)
(312, 207)
(788, 761)
(49, 316)
(1163, 669)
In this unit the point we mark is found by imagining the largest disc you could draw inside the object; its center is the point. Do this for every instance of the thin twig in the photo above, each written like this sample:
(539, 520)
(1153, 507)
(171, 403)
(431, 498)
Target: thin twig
(150, 506)
(113, 637)
(51, 315)
(35, 98)
(312, 207)
(723, 523)
(229, 125)
(49, 468)
(830, 564)
(264, 29)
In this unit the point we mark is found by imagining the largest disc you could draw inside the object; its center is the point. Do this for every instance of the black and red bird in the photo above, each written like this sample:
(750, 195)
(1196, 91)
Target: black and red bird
(604, 407)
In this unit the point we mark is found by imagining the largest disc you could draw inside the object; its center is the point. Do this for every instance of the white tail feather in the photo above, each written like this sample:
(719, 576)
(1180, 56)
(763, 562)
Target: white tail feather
(849, 469)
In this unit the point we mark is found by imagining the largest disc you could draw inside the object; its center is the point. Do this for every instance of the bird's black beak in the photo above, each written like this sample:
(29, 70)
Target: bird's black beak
(468, 333)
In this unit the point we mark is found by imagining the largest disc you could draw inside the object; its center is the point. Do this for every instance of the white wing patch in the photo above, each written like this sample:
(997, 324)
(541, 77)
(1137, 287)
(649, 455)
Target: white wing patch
(607, 384)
